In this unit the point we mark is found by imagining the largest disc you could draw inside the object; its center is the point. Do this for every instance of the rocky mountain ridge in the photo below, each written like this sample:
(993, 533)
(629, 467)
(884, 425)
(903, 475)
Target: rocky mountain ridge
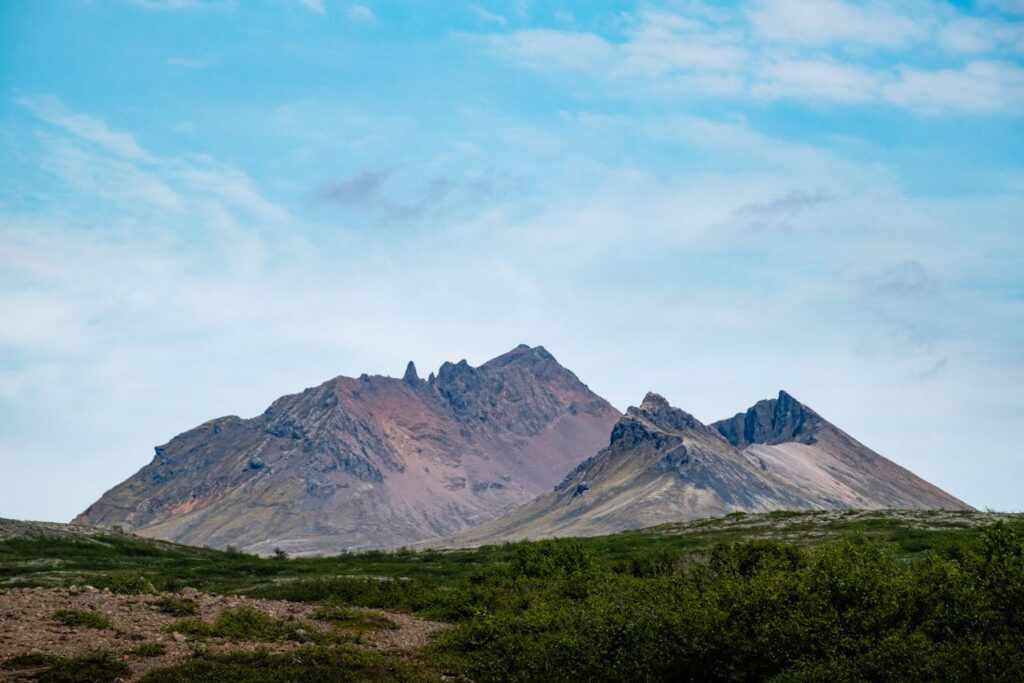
(368, 462)
(663, 465)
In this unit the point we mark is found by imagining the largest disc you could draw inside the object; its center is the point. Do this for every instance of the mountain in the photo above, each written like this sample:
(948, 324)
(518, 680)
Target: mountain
(663, 465)
(368, 462)
(791, 443)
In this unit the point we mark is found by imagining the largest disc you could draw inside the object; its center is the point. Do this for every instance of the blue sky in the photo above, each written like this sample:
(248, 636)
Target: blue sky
(205, 205)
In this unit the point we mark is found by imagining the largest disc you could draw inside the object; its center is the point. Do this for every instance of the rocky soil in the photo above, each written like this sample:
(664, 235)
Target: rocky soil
(27, 626)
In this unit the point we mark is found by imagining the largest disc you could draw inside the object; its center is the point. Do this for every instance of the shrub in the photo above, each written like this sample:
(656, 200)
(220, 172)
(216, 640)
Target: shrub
(246, 624)
(324, 665)
(354, 620)
(176, 606)
(148, 650)
(80, 617)
(125, 584)
(95, 667)
(29, 661)
(847, 610)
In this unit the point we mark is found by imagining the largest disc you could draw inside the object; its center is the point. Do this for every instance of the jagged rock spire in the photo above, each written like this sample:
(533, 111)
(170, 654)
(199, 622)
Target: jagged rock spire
(411, 376)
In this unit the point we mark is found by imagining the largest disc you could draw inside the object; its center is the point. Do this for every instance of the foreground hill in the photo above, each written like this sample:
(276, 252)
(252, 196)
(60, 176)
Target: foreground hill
(802, 596)
(369, 461)
(663, 465)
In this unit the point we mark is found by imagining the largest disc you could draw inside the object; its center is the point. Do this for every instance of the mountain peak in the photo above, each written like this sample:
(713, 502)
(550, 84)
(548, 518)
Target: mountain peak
(652, 401)
(772, 421)
(520, 354)
(411, 376)
(656, 410)
(438, 455)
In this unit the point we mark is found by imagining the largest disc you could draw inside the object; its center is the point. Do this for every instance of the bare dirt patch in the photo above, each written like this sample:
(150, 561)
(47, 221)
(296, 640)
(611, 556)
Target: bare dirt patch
(28, 626)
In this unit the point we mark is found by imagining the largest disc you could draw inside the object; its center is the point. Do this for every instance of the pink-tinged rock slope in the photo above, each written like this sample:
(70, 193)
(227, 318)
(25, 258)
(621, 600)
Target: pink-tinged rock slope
(369, 461)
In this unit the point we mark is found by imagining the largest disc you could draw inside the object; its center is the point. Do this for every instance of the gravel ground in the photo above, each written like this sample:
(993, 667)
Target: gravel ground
(27, 625)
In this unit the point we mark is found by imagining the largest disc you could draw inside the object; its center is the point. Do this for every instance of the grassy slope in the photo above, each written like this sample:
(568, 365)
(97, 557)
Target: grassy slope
(515, 604)
(62, 561)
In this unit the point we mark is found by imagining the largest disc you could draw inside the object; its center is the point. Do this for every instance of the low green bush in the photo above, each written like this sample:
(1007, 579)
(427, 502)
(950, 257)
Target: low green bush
(313, 664)
(148, 650)
(125, 584)
(176, 606)
(95, 667)
(29, 660)
(80, 617)
(353, 620)
(248, 624)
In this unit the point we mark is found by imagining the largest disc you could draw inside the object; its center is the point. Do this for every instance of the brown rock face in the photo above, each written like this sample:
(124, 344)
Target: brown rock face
(664, 465)
(368, 462)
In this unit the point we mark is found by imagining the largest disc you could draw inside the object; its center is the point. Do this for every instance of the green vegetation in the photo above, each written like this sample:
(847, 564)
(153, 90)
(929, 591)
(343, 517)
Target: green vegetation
(353, 620)
(148, 650)
(848, 610)
(108, 560)
(246, 623)
(29, 660)
(176, 606)
(80, 617)
(327, 664)
(95, 667)
(782, 596)
(125, 584)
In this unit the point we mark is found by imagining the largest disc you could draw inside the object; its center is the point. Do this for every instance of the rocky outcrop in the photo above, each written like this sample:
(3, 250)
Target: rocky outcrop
(772, 421)
(368, 462)
(663, 465)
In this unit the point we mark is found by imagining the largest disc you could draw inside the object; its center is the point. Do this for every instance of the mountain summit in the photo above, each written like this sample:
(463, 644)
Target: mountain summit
(793, 444)
(663, 465)
(368, 462)
(772, 421)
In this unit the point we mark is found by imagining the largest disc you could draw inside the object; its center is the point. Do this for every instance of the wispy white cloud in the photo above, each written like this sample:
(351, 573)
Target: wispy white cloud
(114, 179)
(546, 49)
(232, 187)
(314, 6)
(489, 16)
(361, 13)
(664, 43)
(810, 80)
(977, 35)
(52, 110)
(166, 5)
(821, 22)
(794, 49)
(662, 51)
(120, 171)
(978, 87)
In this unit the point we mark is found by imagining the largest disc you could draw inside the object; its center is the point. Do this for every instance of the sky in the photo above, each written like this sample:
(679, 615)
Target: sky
(205, 205)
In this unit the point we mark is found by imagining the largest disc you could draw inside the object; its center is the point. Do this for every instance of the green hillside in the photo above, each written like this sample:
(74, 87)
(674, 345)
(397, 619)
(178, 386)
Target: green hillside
(781, 596)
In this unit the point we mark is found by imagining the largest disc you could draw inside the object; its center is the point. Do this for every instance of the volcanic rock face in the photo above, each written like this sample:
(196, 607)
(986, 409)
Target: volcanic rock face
(663, 465)
(368, 462)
